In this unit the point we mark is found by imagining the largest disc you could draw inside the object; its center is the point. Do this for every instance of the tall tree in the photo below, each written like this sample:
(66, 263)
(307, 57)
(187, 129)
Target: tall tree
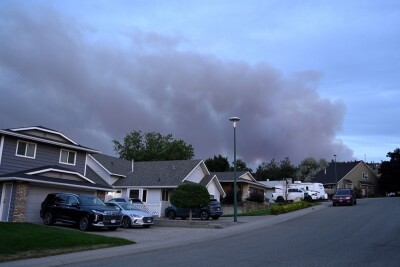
(241, 166)
(286, 169)
(152, 146)
(266, 171)
(309, 167)
(217, 164)
(390, 172)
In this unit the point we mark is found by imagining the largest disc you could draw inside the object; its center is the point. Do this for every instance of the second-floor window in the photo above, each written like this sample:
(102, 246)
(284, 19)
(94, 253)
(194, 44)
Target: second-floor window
(364, 175)
(26, 149)
(67, 157)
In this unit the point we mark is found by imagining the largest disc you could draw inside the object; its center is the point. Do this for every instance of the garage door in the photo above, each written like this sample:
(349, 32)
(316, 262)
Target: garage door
(37, 194)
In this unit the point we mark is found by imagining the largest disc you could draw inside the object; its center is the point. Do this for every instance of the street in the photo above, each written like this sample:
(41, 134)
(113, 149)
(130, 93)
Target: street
(367, 234)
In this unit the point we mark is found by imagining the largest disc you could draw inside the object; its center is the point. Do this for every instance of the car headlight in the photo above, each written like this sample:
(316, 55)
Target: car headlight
(97, 212)
(134, 215)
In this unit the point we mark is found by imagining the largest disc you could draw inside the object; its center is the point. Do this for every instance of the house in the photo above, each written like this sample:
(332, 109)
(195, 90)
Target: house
(245, 183)
(35, 161)
(354, 175)
(151, 181)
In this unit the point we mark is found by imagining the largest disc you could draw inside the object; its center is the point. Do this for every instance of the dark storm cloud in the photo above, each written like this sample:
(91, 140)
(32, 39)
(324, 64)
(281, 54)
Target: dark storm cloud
(55, 73)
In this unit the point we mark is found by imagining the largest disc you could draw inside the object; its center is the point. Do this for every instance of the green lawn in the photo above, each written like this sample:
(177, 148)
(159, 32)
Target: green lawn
(26, 240)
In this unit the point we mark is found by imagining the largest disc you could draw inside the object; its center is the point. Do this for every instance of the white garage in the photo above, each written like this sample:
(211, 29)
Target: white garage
(36, 195)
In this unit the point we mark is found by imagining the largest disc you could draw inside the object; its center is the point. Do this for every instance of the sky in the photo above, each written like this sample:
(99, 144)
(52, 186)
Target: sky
(306, 78)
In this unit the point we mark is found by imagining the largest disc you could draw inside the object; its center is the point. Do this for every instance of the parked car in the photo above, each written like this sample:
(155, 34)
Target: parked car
(125, 199)
(132, 215)
(344, 197)
(83, 210)
(213, 210)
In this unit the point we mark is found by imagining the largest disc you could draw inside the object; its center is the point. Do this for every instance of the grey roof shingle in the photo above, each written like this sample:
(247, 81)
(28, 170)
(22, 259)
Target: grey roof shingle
(227, 176)
(327, 176)
(114, 165)
(158, 173)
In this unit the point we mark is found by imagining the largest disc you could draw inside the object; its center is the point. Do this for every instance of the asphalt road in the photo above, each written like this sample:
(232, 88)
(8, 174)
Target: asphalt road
(364, 235)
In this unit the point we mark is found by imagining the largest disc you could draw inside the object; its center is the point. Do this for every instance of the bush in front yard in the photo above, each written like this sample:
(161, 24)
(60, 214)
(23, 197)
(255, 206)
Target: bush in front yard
(284, 208)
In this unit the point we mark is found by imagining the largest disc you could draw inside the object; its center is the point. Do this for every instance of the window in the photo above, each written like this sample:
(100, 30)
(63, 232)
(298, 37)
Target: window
(364, 175)
(144, 195)
(165, 195)
(25, 149)
(134, 193)
(67, 157)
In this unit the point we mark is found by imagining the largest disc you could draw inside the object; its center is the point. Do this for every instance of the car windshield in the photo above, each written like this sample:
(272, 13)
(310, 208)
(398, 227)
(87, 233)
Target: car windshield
(90, 201)
(343, 192)
(128, 206)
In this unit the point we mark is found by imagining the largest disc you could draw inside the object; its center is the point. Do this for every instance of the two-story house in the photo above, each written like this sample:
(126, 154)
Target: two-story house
(353, 175)
(35, 161)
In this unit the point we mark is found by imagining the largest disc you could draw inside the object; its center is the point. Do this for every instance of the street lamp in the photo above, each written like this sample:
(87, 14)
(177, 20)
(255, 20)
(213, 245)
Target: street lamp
(336, 174)
(234, 120)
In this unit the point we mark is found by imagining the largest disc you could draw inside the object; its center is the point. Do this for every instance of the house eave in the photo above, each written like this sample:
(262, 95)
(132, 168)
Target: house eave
(54, 183)
(38, 139)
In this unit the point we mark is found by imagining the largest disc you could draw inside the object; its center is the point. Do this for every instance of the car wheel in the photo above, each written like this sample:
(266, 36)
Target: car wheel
(48, 218)
(333, 204)
(84, 223)
(112, 228)
(204, 215)
(171, 214)
(215, 217)
(126, 222)
(280, 199)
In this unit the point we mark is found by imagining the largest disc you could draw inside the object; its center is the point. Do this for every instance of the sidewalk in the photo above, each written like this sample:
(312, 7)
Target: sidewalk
(159, 236)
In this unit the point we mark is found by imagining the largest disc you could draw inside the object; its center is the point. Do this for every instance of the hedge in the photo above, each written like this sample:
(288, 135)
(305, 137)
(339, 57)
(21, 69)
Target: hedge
(284, 208)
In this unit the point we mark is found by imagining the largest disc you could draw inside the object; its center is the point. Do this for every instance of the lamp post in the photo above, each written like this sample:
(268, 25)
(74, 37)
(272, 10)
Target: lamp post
(234, 120)
(335, 175)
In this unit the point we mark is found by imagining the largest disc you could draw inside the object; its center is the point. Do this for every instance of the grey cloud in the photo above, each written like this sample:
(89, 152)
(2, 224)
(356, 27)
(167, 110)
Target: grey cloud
(52, 75)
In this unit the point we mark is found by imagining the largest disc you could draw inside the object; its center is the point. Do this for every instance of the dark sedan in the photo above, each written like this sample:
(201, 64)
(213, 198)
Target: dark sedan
(344, 197)
(212, 210)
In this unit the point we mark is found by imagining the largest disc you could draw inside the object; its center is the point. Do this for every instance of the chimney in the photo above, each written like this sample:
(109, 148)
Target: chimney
(133, 165)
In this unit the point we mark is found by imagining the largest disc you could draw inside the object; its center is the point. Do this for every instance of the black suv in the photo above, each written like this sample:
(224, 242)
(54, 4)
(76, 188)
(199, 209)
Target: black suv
(212, 210)
(84, 210)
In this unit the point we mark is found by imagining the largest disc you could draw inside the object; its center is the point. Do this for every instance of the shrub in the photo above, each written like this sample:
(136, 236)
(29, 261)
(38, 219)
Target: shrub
(284, 208)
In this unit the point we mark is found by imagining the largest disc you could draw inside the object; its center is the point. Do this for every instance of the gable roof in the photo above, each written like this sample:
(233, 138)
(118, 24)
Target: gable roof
(113, 165)
(158, 173)
(327, 175)
(33, 175)
(46, 135)
(228, 177)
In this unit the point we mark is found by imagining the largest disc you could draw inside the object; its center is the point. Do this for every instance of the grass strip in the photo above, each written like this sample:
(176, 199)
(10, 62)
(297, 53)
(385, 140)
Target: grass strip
(27, 240)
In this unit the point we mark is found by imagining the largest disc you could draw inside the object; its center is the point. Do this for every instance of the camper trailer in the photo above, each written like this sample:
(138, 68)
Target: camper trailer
(312, 187)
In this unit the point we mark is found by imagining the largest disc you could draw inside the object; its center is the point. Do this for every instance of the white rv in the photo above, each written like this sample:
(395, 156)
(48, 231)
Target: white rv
(312, 187)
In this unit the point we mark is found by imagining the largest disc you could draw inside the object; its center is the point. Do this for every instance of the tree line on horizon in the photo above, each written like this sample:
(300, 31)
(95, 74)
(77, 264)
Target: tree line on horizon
(153, 146)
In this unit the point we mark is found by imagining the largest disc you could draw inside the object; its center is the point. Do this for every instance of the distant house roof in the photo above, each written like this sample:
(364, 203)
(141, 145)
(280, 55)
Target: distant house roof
(158, 173)
(46, 135)
(228, 177)
(272, 184)
(34, 176)
(327, 176)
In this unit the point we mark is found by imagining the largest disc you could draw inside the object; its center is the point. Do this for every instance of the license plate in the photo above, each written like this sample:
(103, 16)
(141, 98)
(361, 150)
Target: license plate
(112, 221)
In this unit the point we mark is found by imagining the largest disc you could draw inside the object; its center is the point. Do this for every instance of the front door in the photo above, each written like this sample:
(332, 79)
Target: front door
(5, 202)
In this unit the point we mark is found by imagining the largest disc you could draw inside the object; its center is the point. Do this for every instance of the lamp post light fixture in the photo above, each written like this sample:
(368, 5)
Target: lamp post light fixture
(336, 183)
(234, 120)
